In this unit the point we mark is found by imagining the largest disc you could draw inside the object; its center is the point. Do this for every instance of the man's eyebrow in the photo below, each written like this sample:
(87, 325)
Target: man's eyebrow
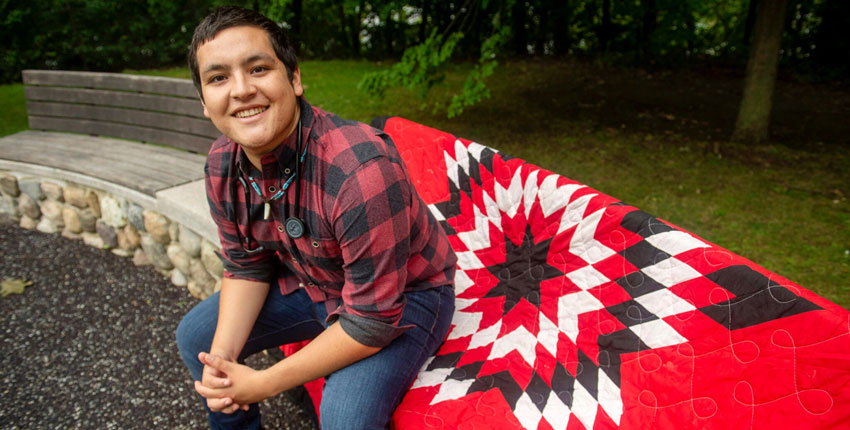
(249, 60)
(214, 68)
(258, 57)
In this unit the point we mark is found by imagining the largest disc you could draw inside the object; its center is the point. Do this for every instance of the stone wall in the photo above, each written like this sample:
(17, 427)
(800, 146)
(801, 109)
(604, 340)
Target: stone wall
(112, 223)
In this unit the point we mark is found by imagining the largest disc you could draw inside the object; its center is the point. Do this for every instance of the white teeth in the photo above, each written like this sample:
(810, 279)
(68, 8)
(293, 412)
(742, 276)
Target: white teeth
(250, 112)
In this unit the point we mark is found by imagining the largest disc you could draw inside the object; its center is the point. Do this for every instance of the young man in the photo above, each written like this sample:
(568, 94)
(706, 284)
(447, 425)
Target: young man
(323, 237)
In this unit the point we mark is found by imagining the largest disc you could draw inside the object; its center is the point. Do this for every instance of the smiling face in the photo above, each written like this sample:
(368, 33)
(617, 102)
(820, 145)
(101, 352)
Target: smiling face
(246, 90)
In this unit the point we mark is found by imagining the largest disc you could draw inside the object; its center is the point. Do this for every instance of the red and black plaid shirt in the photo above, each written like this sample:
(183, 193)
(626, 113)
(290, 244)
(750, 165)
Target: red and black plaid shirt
(370, 237)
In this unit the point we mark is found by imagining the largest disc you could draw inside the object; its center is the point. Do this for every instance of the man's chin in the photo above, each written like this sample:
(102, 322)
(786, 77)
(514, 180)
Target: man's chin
(253, 143)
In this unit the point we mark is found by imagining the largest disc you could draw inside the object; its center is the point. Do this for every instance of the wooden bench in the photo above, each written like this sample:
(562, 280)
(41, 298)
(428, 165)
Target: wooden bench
(149, 109)
(140, 137)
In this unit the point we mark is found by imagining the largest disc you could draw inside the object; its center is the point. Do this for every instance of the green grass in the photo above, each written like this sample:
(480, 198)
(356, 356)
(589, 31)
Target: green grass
(13, 109)
(785, 209)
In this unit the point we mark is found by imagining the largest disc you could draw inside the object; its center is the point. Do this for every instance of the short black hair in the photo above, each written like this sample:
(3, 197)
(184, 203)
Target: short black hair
(226, 17)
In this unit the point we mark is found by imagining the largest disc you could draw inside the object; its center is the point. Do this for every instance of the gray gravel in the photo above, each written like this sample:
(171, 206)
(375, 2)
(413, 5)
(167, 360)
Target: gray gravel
(90, 345)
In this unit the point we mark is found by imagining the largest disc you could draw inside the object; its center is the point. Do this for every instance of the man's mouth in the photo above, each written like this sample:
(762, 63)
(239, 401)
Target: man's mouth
(250, 112)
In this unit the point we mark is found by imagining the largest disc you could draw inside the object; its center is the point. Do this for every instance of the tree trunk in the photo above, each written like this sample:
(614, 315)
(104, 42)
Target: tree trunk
(355, 29)
(297, 12)
(648, 23)
(387, 33)
(345, 40)
(605, 28)
(753, 121)
(561, 28)
(751, 20)
(426, 9)
(542, 33)
(518, 19)
(832, 47)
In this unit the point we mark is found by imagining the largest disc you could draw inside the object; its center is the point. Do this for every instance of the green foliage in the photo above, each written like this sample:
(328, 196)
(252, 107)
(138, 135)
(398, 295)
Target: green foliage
(421, 67)
(94, 34)
(474, 89)
(109, 36)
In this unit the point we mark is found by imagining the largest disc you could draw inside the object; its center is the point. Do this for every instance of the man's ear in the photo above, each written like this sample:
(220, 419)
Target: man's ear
(296, 82)
(204, 105)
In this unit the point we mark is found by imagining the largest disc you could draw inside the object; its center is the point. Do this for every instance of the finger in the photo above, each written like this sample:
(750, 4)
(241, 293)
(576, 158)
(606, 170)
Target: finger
(231, 409)
(217, 363)
(209, 370)
(205, 358)
(236, 407)
(219, 405)
(215, 381)
(209, 393)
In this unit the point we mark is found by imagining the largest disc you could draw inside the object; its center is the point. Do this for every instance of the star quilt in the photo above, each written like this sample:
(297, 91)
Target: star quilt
(577, 311)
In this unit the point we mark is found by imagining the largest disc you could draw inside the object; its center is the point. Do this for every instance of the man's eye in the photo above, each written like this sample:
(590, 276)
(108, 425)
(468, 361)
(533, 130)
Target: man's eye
(216, 78)
(259, 69)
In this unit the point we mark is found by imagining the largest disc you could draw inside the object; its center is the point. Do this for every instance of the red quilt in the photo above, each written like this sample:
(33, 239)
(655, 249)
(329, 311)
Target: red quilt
(577, 311)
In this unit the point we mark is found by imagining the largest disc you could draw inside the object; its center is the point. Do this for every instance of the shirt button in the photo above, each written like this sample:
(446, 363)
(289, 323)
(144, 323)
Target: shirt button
(286, 171)
(280, 228)
(315, 244)
(272, 189)
(311, 284)
(294, 261)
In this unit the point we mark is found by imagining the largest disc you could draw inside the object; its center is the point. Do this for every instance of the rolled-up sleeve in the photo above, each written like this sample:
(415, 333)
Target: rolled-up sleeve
(371, 220)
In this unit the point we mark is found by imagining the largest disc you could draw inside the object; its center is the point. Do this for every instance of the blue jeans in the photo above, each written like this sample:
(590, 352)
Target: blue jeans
(363, 395)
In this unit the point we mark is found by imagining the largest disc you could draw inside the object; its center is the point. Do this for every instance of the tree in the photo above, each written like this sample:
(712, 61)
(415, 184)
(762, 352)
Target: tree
(606, 27)
(752, 125)
(832, 52)
(647, 26)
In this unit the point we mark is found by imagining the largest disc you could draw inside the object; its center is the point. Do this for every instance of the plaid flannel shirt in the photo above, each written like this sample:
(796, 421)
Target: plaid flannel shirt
(370, 237)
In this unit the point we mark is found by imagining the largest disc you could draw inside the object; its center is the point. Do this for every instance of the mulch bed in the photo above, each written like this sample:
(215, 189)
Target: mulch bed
(90, 344)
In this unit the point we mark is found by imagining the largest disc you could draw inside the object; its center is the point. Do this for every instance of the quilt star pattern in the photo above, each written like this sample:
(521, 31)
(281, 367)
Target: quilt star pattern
(577, 311)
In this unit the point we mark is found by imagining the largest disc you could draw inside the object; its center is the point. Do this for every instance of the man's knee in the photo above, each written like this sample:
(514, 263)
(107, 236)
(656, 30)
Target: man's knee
(356, 407)
(196, 330)
(336, 416)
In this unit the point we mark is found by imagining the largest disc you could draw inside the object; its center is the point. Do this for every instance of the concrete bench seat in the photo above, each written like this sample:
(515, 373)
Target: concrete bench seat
(142, 138)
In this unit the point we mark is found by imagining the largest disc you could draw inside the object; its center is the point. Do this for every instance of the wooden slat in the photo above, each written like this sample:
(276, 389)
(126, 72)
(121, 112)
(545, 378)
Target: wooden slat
(112, 81)
(155, 157)
(149, 102)
(179, 140)
(110, 168)
(144, 168)
(177, 123)
(138, 161)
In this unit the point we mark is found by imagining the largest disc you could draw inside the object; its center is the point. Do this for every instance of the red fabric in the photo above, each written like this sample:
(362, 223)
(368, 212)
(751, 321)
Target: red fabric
(314, 388)
(423, 154)
(576, 311)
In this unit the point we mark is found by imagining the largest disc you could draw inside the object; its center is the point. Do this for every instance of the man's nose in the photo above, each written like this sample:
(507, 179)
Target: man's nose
(242, 87)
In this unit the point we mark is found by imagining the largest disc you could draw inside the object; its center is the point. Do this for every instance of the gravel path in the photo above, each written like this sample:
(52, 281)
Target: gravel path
(90, 345)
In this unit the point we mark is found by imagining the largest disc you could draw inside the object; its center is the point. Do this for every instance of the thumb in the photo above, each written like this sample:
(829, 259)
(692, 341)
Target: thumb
(218, 363)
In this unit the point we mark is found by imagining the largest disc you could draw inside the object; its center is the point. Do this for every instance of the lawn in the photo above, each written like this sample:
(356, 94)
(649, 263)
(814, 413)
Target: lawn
(647, 138)
(13, 108)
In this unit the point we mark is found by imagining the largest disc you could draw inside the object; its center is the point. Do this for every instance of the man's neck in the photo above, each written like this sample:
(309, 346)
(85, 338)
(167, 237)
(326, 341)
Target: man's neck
(256, 157)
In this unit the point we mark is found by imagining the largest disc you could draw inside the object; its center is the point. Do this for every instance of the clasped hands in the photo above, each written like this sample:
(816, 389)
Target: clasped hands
(229, 386)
